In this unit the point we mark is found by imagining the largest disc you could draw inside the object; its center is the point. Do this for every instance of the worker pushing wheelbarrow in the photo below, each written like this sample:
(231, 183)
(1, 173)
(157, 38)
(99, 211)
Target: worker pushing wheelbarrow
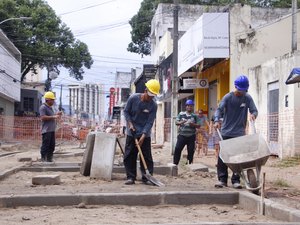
(236, 108)
(245, 154)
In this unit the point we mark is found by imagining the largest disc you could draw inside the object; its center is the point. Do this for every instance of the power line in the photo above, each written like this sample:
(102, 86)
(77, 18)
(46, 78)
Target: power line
(85, 8)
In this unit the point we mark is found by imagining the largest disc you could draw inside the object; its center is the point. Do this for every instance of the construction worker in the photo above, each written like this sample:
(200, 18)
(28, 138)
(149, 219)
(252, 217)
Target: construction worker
(48, 118)
(140, 113)
(233, 108)
(187, 122)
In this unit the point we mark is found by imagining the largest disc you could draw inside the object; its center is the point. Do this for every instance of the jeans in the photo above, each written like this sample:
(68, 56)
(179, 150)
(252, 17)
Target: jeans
(222, 170)
(130, 157)
(181, 142)
(48, 145)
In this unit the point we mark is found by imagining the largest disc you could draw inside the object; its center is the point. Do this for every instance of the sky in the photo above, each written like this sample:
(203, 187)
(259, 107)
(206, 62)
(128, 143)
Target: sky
(103, 26)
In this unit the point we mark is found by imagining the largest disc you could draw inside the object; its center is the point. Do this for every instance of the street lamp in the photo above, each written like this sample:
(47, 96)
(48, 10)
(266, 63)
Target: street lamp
(18, 18)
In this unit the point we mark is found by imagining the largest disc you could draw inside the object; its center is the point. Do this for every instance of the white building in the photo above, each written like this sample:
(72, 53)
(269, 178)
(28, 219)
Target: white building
(87, 101)
(10, 75)
(122, 87)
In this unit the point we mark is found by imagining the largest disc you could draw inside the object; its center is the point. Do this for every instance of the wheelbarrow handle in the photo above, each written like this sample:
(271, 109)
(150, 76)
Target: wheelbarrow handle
(253, 128)
(219, 133)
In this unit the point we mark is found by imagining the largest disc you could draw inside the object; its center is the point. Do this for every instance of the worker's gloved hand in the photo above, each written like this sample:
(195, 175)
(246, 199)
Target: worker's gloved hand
(217, 125)
(252, 117)
(141, 140)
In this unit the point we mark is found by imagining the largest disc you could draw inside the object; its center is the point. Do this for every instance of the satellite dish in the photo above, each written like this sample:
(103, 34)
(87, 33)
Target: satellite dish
(53, 75)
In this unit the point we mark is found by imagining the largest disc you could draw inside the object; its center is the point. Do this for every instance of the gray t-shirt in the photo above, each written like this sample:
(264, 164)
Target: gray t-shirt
(234, 111)
(47, 125)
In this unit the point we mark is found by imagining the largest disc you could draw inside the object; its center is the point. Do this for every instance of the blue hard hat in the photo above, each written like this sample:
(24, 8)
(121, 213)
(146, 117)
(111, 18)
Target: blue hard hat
(189, 102)
(242, 83)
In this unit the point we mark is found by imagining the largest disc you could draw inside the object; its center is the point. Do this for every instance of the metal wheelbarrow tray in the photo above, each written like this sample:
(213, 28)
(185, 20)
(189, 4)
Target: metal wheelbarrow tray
(245, 153)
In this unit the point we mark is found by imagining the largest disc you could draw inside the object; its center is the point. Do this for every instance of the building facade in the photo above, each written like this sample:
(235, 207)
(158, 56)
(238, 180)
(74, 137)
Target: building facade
(87, 101)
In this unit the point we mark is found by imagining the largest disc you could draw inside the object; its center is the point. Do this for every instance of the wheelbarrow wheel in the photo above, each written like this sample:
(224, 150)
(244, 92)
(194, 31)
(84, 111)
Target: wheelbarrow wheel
(252, 180)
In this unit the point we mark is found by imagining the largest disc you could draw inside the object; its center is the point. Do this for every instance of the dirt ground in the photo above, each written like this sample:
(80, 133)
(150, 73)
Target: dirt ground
(282, 185)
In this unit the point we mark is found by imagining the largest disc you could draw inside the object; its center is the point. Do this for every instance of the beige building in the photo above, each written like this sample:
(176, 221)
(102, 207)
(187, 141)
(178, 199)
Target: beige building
(265, 54)
(260, 47)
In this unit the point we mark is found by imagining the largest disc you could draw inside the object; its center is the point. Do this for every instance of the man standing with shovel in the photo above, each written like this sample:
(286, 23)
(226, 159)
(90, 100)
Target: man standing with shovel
(234, 108)
(140, 113)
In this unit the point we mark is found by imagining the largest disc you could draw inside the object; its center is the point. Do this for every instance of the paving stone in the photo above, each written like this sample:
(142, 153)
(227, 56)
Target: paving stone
(46, 180)
(25, 159)
(198, 167)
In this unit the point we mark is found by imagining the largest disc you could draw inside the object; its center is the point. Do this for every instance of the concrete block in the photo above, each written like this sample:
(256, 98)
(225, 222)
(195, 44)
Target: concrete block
(46, 180)
(85, 168)
(25, 159)
(198, 167)
(103, 156)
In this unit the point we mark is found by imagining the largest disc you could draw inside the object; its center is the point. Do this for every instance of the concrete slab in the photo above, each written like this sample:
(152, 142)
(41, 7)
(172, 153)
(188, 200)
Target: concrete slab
(75, 167)
(198, 167)
(46, 179)
(85, 168)
(25, 159)
(103, 156)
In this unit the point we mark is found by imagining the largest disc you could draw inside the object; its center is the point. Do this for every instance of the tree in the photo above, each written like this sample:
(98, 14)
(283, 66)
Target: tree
(44, 40)
(141, 22)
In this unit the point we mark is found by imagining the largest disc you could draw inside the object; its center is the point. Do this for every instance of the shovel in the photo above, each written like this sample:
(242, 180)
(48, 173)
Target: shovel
(147, 175)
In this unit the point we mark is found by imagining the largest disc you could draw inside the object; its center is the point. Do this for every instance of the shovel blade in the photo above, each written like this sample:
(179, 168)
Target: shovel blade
(153, 180)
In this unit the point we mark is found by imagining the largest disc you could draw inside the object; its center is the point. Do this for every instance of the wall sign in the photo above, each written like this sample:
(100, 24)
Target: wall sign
(195, 83)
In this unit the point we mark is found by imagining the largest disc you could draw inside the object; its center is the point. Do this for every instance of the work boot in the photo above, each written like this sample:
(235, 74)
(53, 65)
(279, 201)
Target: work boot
(129, 181)
(220, 184)
(43, 158)
(50, 158)
(237, 185)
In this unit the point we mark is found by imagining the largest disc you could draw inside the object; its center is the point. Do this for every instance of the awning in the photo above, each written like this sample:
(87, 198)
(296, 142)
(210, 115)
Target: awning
(294, 76)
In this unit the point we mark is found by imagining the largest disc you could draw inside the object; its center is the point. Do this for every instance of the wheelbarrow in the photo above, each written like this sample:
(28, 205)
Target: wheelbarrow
(245, 154)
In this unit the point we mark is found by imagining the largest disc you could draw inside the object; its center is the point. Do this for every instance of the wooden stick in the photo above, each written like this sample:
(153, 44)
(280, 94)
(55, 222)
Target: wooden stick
(262, 195)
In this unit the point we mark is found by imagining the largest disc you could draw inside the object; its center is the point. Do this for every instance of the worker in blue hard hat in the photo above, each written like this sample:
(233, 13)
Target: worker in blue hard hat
(234, 109)
(187, 122)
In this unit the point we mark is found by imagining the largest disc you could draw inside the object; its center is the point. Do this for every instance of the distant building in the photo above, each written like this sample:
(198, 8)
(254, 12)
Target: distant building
(88, 101)
(30, 102)
(10, 75)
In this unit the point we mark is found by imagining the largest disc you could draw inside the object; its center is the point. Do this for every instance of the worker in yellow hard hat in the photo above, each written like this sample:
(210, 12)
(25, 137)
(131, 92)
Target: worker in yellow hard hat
(140, 113)
(48, 118)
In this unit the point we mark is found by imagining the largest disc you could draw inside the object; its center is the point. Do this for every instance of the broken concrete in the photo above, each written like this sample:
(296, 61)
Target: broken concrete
(88, 154)
(103, 156)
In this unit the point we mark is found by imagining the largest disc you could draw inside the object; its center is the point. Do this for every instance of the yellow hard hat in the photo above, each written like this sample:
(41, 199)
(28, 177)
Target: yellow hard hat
(153, 86)
(49, 95)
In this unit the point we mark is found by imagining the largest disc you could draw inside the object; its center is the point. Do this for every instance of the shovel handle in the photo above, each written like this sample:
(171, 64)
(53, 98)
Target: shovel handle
(219, 133)
(141, 153)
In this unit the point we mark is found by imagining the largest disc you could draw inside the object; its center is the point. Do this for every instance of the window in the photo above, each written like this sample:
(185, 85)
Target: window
(28, 104)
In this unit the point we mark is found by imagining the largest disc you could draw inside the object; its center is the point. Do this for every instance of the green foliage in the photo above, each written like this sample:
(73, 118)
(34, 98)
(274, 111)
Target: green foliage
(43, 40)
(141, 22)
(288, 162)
(281, 183)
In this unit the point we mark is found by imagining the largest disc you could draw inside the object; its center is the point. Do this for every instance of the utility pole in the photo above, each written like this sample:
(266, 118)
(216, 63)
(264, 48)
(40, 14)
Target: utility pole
(60, 99)
(294, 25)
(174, 100)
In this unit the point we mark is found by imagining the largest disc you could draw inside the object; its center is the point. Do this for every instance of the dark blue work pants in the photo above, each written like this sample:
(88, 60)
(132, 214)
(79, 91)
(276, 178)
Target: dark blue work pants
(181, 142)
(48, 145)
(222, 170)
(130, 157)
